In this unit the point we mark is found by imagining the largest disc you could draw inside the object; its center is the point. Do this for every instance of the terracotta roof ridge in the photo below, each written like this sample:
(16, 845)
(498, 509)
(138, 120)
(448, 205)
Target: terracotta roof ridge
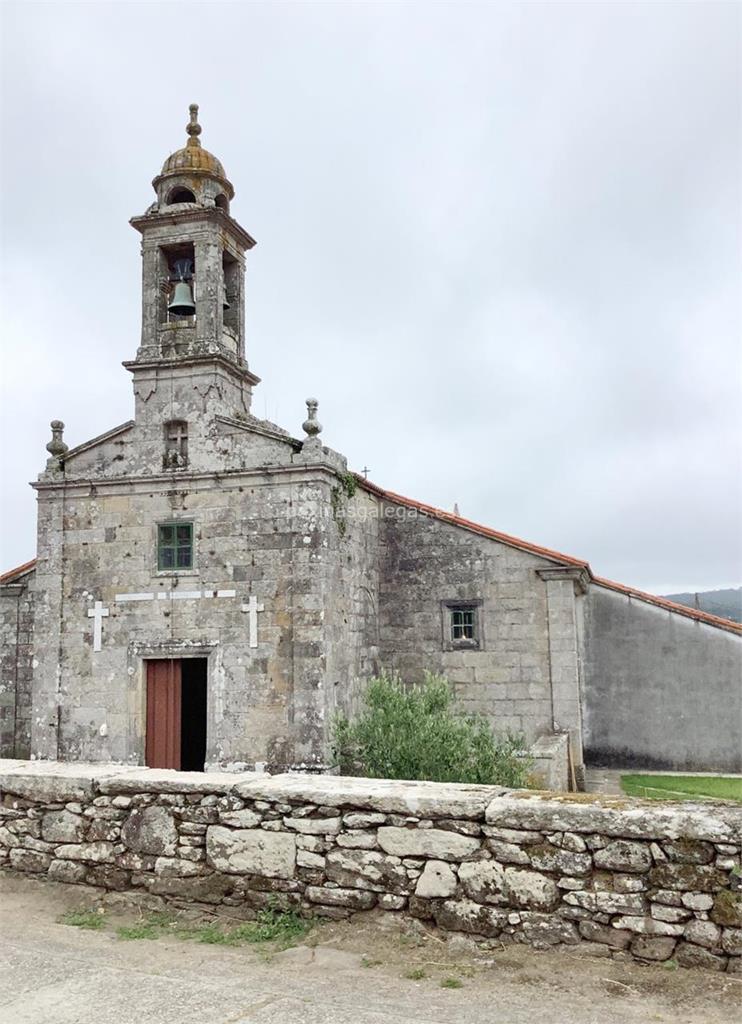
(468, 524)
(672, 606)
(536, 549)
(20, 570)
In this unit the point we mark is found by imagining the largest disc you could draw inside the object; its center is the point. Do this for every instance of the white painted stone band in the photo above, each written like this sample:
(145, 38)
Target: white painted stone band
(174, 595)
(98, 612)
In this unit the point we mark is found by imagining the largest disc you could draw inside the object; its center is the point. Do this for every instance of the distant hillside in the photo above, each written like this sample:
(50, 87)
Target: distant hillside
(727, 603)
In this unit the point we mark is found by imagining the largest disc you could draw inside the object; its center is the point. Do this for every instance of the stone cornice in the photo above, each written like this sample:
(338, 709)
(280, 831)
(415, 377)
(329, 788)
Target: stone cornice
(236, 369)
(579, 576)
(209, 214)
(95, 441)
(257, 427)
(180, 480)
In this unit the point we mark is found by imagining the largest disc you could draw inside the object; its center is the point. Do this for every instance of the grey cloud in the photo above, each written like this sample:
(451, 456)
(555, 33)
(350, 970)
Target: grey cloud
(501, 243)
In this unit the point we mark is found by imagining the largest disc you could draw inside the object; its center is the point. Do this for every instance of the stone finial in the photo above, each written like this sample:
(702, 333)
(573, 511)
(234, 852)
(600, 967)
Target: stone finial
(193, 127)
(456, 509)
(311, 424)
(56, 446)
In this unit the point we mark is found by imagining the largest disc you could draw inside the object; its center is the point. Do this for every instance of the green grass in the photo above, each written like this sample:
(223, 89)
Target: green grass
(682, 787)
(415, 974)
(90, 919)
(281, 927)
(452, 983)
(143, 930)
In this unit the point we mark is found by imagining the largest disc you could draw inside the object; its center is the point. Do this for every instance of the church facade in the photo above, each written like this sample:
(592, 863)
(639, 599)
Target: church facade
(209, 589)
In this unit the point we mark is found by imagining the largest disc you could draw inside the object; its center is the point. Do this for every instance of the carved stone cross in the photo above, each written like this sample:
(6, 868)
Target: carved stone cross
(252, 608)
(98, 613)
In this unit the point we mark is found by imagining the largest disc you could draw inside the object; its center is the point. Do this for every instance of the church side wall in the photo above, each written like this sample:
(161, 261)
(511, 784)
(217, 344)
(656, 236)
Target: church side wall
(16, 654)
(426, 562)
(352, 608)
(661, 690)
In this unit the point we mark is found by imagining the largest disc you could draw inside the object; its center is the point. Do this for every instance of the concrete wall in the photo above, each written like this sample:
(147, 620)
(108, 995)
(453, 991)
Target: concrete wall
(16, 669)
(610, 878)
(661, 690)
(424, 562)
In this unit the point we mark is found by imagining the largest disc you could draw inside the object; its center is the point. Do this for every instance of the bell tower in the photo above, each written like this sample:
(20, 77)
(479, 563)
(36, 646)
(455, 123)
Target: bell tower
(193, 273)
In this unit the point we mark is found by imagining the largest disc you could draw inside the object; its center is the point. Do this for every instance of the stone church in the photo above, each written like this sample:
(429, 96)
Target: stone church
(210, 589)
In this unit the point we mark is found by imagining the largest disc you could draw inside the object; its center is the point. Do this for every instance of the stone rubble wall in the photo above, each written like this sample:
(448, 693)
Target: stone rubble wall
(618, 878)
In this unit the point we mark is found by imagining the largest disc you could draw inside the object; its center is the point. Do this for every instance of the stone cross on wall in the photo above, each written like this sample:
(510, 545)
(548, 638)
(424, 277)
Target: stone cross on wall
(252, 608)
(98, 613)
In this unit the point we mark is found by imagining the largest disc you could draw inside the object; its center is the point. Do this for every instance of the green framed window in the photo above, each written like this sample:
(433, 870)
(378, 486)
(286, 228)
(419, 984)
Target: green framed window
(464, 623)
(175, 546)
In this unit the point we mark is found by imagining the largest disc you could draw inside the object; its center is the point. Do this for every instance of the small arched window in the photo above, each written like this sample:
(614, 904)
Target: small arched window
(222, 202)
(180, 195)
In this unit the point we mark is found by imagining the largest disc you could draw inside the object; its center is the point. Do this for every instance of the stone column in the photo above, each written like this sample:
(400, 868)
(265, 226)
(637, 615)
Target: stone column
(207, 293)
(563, 585)
(154, 270)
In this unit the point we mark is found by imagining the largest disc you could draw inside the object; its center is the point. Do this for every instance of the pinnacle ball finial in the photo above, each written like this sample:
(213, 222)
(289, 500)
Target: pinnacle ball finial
(193, 127)
(56, 446)
(311, 424)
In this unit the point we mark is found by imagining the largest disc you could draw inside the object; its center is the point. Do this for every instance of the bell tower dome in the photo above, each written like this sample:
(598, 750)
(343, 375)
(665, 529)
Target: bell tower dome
(193, 264)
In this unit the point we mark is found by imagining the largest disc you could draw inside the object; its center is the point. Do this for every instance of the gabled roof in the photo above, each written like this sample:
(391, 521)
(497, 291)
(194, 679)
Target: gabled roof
(554, 556)
(100, 439)
(13, 575)
(673, 606)
(252, 425)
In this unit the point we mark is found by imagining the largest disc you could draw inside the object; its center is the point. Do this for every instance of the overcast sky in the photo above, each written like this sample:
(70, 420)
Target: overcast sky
(499, 243)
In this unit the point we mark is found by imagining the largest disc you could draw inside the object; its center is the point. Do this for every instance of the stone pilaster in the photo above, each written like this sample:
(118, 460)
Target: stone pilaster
(563, 585)
(48, 621)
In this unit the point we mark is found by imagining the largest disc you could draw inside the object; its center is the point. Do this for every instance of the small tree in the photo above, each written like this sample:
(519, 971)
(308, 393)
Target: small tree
(413, 732)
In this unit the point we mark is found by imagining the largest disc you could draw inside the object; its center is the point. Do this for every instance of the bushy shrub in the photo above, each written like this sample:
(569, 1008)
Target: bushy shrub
(413, 732)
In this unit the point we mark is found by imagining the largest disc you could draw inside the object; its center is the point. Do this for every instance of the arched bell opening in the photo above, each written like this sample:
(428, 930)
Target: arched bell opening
(177, 284)
(180, 195)
(221, 202)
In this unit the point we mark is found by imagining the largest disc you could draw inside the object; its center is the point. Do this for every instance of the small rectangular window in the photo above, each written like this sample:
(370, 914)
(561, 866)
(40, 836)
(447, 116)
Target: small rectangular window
(175, 546)
(462, 625)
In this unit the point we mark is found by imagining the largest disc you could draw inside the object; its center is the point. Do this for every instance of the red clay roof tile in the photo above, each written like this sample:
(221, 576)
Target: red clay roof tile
(535, 549)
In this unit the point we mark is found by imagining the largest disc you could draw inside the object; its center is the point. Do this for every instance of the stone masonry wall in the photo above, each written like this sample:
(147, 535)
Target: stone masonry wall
(425, 562)
(16, 671)
(623, 878)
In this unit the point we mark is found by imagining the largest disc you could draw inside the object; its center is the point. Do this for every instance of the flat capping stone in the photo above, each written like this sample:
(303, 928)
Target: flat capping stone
(167, 780)
(55, 781)
(420, 799)
(618, 817)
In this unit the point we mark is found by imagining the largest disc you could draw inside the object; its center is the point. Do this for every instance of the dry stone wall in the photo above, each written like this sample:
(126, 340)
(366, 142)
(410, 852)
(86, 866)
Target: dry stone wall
(617, 878)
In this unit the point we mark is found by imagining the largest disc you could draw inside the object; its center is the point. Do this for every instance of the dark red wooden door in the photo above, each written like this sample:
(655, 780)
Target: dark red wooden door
(162, 746)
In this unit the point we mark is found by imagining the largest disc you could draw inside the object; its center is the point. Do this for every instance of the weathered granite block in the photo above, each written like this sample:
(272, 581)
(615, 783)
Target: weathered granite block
(430, 842)
(251, 851)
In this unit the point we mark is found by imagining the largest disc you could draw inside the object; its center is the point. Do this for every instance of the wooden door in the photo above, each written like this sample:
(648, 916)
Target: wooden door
(162, 746)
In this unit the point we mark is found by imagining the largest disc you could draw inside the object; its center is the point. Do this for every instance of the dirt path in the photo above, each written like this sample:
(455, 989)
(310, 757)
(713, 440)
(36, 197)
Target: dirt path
(350, 973)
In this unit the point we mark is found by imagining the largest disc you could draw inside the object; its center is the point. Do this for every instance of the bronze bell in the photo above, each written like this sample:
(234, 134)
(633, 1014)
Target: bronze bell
(182, 303)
